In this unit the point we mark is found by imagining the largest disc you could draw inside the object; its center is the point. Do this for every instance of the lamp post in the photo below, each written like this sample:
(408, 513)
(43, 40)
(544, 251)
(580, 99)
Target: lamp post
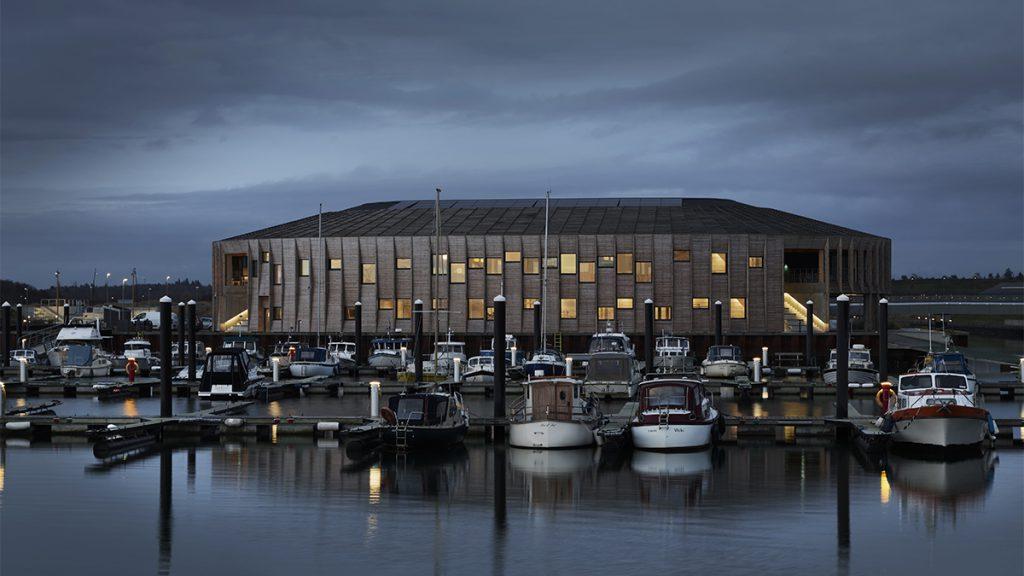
(106, 289)
(124, 282)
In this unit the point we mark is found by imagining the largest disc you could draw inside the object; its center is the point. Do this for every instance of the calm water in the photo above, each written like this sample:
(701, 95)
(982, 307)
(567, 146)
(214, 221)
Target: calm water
(306, 509)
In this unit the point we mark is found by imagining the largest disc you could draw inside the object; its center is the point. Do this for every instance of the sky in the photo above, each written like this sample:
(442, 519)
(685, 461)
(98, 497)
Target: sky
(134, 134)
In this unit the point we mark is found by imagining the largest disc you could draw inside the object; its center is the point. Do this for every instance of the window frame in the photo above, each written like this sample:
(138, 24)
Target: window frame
(531, 265)
(755, 261)
(513, 256)
(587, 277)
(471, 305)
(624, 263)
(650, 272)
(605, 313)
(700, 303)
(662, 312)
(385, 303)
(457, 273)
(737, 304)
(725, 262)
(331, 266)
(562, 314)
(567, 263)
(495, 262)
(304, 268)
(403, 308)
(368, 270)
(403, 263)
(476, 263)
(620, 301)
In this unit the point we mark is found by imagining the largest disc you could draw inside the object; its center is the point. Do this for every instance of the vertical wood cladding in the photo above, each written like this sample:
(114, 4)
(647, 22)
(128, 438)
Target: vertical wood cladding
(862, 265)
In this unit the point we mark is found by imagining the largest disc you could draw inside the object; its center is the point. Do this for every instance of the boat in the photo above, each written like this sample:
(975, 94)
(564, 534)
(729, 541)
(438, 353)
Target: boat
(612, 375)
(673, 414)
(442, 362)
(247, 343)
(283, 352)
(479, 370)
(200, 350)
(545, 363)
(861, 369)
(141, 350)
(312, 361)
(86, 335)
(432, 419)
(611, 341)
(386, 353)
(84, 361)
(725, 362)
(228, 373)
(672, 355)
(949, 362)
(554, 412)
(343, 352)
(28, 354)
(937, 410)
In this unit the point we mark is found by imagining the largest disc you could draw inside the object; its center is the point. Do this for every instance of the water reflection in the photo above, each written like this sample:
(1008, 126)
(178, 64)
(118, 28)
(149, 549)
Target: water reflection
(553, 478)
(937, 491)
(166, 496)
(671, 480)
(424, 474)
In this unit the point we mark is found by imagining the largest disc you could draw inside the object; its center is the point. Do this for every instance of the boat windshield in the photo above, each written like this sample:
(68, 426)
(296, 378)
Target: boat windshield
(136, 345)
(607, 344)
(954, 363)
(310, 355)
(674, 396)
(860, 357)
(221, 363)
(724, 353)
(670, 343)
(449, 349)
(409, 409)
(79, 355)
(950, 381)
(615, 369)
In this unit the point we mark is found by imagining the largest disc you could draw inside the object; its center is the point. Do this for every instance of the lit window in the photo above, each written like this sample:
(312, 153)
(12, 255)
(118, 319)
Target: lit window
(513, 256)
(531, 265)
(458, 275)
(385, 304)
(643, 271)
(528, 303)
(403, 263)
(476, 263)
(369, 273)
(552, 262)
(304, 267)
(624, 263)
(265, 256)
(755, 262)
(662, 312)
(606, 262)
(588, 271)
(568, 265)
(476, 308)
(404, 308)
(335, 264)
(439, 303)
(624, 303)
(568, 309)
(494, 265)
(605, 313)
(681, 255)
(278, 313)
(278, 274)
(440, 264)
(719, 263)
(737, 308)
(490, 312)
(350, 312)
(701, 303)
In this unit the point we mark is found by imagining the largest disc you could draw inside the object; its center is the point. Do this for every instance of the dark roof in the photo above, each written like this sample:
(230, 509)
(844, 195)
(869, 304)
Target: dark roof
(567, 216)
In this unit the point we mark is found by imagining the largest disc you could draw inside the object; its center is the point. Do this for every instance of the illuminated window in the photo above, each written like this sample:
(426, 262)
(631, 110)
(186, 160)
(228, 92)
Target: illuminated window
(662, 312)
(681, 255)
(624, 303)
(385, 304)
(403, 308)
(552, 262)
(304, 267)
(490, 312)
(439, 303)
(588, 271)
(643, 271)
(605, 313)
(369, 273)
(701, 303)
(440, 264)
(737, 308)
(528, 303)
(278, 313)
(606, 262)
(475, 263)
(494, 265)
(513, 256)
(476, 308)
(568, 308)
(278, 274)
(403, 263)
(458, 275)
(624, 263)
(755, 262)
(350, 312)
(265, 256)
(719, 263)
(335, 264)
(568, 265)
(531, 265)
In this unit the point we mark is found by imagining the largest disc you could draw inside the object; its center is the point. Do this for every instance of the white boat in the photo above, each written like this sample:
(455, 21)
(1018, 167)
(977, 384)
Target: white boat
(937, 410)
(87, 335)
(83, 361)
(611, 341)
(312, 361)
(545, 363)
(673, 414)
(141, 350)
(28, 354)
(725, 362)
(479, 370)
(949, 362)
(672, 355)
(553, 413)
(228, 373)
(284, 352)
(200, 350)
(612, 375)
(862, 372)
(247, 343)
(386, 354)
(343, 352)
(442, 362)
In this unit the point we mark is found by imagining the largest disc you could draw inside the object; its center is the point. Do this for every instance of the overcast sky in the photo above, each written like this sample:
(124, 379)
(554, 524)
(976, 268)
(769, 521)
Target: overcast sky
(135, 133)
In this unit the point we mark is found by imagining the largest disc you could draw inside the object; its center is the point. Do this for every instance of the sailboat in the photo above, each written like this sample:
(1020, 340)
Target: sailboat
(544, 362)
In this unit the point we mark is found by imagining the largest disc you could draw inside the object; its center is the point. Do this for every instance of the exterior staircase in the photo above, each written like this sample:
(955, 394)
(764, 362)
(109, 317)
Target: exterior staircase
(795, 317)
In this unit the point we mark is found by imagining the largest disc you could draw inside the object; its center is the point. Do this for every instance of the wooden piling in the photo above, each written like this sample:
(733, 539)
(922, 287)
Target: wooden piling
(499, 366)
(190, 311)
(417, 345)
(718, 322)
(165, 357)
(649, 336)
(842, 355)
(181, 333)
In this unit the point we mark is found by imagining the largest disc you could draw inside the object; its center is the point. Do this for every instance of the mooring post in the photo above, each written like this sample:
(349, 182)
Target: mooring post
(6, 320)
(18, 325)
(537, 344)
(165, 510)
(359, 334)
(375, 399)
(498, 474)
(843, 504)
(718, 322)
(499, 367)
(842, 356)
(417, 344)
(809, 340)
(458, 370)
(23, 370)
(191, 361)
(649, 336)
(67, 314)
(165, 357)
(883, 340)
(181, 333)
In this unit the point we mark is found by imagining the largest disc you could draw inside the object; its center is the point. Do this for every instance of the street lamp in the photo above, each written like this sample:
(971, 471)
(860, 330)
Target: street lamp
(106, 288)
(124, 281)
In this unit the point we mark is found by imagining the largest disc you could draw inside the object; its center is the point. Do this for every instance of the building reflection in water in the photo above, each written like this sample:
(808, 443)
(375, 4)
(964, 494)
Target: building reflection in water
(936, 491)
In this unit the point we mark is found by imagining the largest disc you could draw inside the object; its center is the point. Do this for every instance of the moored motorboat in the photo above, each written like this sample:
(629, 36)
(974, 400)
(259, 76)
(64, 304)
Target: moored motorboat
(312, 361)
(937, 410)
(553, 413)
(672, 355)
(545, 363)
(141, 351)
(344, 353)
(612, 375)
(673, 414)
(283, 353)
(725, 362)
(247, 343)
(83, 361)
(82, 335)
(949, 362)
(386, 354)
(862, 372)
(228, 373)
(424, 420)
(479, 370)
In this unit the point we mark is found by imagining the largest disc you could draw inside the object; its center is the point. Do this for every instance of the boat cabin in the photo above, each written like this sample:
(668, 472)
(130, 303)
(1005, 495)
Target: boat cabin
(200, 348)
(78, 335)
(243, 342)
(925, 383)
(423, 408)
(480, 363)
(552, 399)
(672, 346)
(347, 349)
(610, 342)
(680, 397)
(138, 345)
(948, 362)
(390, 343)
(310, 354)
(610, 367)
(28, 354)
(725, 353)
(226, 372)
(451, 348)
(859, 355)
(79, 355)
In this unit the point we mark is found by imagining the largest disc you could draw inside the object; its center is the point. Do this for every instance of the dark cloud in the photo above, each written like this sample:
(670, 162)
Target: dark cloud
(140, 132)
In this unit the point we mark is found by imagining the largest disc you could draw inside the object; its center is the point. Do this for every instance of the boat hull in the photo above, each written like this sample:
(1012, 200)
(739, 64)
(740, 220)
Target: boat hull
(551, 434)
(479, 377)
(725, 369)
(93, 371)
(610, 389)
(307, 370)
(425, 437)
(859, 377)
(672, 436)
(385, 362)
(940, 426)
(543, 369)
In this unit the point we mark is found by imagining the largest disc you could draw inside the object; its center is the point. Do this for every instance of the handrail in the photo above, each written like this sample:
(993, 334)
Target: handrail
(800, 311)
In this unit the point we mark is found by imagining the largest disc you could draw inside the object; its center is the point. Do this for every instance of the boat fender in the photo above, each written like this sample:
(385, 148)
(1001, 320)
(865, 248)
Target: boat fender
(111, 427)
(993, 428)
(234, 422)
(18, 426)
(328, 426)
(389, 415)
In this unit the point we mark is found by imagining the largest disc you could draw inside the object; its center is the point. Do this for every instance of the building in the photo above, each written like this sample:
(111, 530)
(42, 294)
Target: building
(605, 257)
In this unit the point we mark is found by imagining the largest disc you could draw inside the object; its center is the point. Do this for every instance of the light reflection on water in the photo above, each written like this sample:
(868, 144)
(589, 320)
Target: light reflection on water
(258, 508)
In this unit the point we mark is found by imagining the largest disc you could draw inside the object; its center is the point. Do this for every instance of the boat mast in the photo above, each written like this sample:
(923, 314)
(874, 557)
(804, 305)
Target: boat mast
(436, 269)
(544, 277)
(323, 269)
